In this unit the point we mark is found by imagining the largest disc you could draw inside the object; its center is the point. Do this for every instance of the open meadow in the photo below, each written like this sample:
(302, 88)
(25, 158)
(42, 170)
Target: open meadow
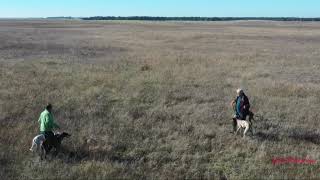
(151, 100)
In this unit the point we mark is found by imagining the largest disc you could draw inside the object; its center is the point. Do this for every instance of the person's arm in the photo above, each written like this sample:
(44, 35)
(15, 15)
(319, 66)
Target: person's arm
(50, 121)
(47, 122)
(233, 104)
(246, 104)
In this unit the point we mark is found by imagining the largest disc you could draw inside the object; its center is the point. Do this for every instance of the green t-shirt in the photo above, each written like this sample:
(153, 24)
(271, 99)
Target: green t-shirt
(46, 121)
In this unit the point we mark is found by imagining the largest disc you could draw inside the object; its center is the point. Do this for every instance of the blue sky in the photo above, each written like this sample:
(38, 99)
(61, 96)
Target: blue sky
(209, 8)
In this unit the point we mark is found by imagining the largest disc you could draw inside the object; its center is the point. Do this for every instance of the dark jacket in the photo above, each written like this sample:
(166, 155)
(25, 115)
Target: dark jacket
(242, 106)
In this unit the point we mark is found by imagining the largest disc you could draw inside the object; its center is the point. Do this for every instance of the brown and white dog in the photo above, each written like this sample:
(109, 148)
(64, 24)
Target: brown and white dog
(243, 124)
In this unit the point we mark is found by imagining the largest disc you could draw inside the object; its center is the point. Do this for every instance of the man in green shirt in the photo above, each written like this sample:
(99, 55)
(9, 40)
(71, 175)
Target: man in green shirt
(47, 123)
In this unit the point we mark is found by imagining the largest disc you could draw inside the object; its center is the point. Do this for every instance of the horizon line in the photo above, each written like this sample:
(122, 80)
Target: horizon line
(46, 17)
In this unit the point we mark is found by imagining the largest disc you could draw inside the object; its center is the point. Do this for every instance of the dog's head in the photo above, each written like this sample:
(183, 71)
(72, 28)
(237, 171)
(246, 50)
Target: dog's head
(62, 135)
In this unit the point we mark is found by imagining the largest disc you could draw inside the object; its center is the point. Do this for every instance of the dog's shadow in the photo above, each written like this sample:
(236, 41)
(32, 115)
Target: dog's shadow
(262, 136)
(80, 155)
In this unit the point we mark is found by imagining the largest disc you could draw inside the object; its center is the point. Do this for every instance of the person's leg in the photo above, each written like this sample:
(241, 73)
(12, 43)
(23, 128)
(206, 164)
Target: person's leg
(50, 137)
(243, 115)
(49, 140)
(234, 123)
(251, 118)
(240, 115)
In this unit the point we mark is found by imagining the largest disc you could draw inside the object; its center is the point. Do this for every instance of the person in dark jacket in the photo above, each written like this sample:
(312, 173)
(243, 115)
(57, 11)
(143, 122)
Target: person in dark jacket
(241, 106)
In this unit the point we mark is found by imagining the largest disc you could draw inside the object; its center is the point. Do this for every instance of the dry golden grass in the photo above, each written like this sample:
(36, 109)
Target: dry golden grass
(150, 100)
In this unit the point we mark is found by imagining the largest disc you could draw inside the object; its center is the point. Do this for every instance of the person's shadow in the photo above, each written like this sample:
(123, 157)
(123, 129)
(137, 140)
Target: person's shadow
(270, 131)
(303, 135)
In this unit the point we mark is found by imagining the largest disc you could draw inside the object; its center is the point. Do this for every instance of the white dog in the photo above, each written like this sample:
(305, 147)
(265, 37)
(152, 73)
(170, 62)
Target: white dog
(243, 124)
(37, 144)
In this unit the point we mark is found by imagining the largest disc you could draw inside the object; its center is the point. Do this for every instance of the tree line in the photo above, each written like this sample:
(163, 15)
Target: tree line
(153, 18)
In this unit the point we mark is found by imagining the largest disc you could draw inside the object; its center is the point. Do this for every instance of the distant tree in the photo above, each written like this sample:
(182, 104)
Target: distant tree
(158, 18)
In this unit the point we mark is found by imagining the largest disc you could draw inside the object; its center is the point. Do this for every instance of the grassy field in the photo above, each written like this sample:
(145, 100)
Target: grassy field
(151, 100)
